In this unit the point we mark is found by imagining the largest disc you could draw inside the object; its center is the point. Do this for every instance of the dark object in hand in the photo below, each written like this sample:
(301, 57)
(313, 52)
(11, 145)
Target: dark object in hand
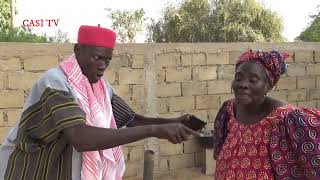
(194, 123)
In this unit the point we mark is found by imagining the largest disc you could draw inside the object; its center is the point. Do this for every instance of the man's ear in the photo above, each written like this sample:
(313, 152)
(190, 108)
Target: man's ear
(76, 49)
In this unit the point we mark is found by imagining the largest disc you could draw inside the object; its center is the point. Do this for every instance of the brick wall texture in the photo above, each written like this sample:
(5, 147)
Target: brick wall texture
(164, 80)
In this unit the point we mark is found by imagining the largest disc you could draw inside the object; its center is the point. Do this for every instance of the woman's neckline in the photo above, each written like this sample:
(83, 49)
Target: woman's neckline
(270, 114)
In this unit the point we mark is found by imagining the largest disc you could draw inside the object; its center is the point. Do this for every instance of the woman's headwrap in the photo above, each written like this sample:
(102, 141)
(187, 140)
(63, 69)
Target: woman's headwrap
(272, 62)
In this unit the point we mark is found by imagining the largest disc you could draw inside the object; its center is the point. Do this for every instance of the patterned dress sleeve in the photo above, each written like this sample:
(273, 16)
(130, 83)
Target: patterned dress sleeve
(220, 129)
(123, 114)
(42, 122)
(295, 145)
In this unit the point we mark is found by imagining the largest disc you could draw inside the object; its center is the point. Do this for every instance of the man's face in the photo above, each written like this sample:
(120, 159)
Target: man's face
(93, 60)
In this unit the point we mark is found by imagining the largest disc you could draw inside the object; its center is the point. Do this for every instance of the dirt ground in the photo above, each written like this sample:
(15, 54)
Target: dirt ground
(185, 174)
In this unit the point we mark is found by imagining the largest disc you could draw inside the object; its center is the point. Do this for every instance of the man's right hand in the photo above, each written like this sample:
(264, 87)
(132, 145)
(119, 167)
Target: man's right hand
(89, 138)
(173, 132)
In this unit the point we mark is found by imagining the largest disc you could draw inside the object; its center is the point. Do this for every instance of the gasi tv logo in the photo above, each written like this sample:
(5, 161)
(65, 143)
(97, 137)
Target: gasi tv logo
(40, 22)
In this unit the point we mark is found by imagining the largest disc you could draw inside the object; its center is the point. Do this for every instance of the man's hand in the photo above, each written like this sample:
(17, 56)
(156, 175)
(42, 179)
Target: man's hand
(183, 118)
(192, 122)
(173, 132)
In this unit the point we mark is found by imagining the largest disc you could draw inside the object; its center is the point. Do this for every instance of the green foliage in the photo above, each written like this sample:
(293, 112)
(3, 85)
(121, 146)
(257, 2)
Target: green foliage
(60, 37)
(5, 14)
(20, 35)
(15, 34)
(127, 23)
(312, 33)
(188, 23)
(216, 21)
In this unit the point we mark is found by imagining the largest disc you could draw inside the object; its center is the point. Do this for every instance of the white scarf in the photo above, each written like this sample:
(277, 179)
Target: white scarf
(95, 102)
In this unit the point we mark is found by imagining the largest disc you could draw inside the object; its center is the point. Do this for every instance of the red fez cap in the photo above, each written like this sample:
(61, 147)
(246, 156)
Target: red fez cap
(96, 36)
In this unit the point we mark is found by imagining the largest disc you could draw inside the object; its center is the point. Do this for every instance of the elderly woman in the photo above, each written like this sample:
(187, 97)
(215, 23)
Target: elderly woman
(258, 137)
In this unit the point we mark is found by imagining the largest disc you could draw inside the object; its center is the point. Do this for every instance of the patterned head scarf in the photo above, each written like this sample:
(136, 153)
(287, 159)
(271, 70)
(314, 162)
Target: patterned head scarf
(272, 62)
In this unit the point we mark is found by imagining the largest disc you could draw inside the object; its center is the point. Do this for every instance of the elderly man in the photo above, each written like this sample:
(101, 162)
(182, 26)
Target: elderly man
(69, 128)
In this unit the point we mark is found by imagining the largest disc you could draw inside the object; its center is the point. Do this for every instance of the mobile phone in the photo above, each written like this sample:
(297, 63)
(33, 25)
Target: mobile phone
(195, 123)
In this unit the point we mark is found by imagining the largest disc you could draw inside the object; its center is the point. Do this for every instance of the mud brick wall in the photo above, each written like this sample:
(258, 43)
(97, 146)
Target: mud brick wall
(165, 80)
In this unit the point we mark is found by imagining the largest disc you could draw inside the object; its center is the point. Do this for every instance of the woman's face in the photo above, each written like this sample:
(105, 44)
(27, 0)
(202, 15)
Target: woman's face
(250, 84)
